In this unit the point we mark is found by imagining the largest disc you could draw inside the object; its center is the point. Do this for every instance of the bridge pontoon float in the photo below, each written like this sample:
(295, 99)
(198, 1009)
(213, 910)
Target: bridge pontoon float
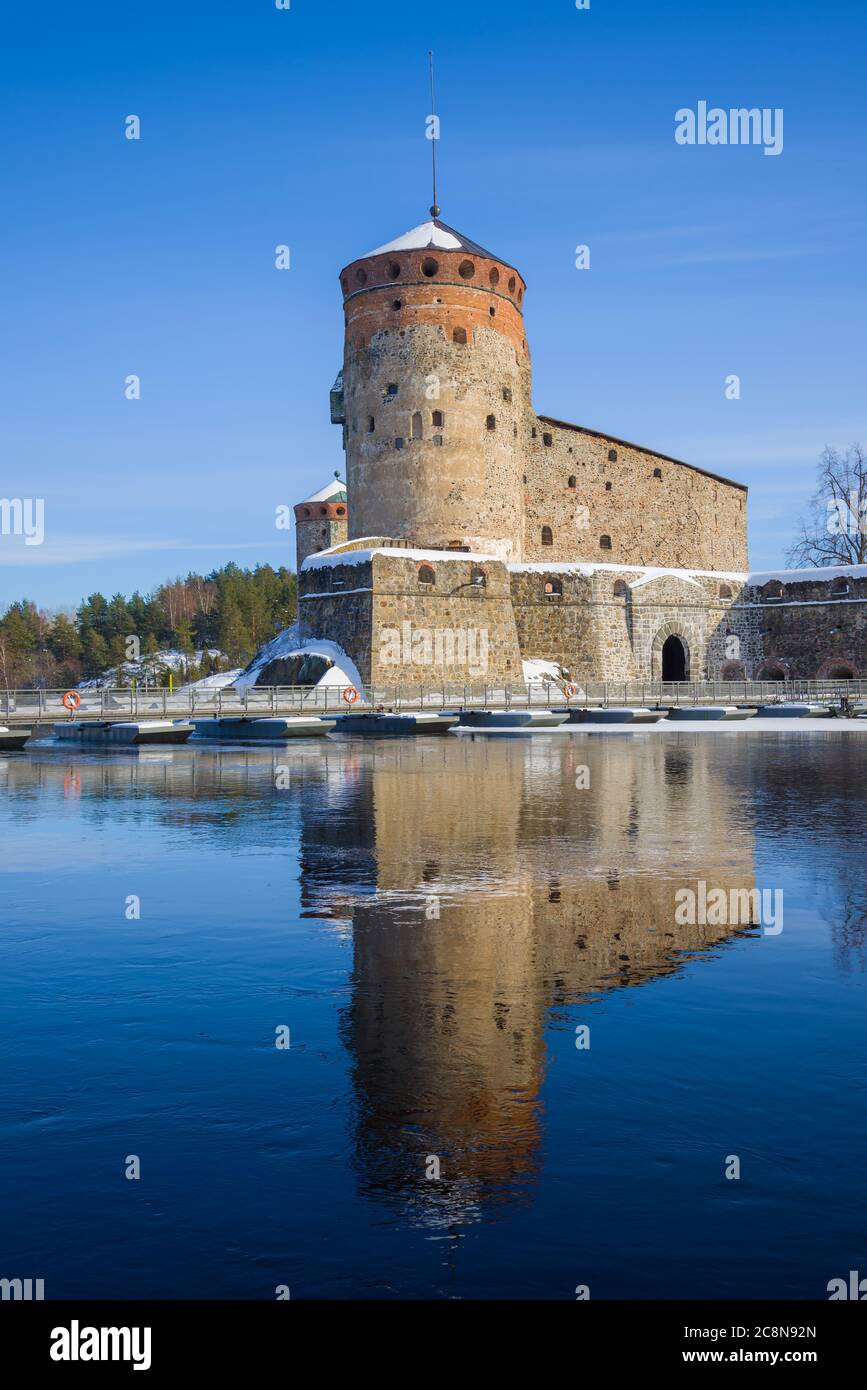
(382, 724)
(691, 713)
(616, 714)
(249, 729)
(11, 740)
(100, 734)
(794, 711)
(508, 721)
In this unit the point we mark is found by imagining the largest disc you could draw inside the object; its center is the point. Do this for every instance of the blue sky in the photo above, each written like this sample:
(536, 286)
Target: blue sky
(262, 126)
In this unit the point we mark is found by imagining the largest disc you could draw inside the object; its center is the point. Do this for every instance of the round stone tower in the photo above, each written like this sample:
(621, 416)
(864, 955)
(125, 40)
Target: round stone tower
(436, 386)
(321, 520)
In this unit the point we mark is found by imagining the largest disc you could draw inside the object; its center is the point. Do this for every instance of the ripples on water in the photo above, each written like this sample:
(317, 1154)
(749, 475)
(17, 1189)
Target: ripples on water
(433, 920)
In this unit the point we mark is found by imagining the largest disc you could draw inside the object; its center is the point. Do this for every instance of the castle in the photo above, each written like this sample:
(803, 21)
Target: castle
(472, 534)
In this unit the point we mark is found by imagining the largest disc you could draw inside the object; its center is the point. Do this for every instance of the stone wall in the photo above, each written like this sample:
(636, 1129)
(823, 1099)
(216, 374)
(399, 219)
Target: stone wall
(805, 626)
(610, 622)
(413, 620)
(413, 617)
(335, 604)
(604, 500)
(325, 526)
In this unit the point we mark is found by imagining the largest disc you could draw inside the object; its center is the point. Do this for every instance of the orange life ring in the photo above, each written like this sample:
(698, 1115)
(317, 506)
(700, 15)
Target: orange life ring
(569, 691)
(72, 700)
(350, 694)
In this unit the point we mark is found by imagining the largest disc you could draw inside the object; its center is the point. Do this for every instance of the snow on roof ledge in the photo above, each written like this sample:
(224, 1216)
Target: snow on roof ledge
(812, 574)
(809, 575)
(327, 559)
(646, 572)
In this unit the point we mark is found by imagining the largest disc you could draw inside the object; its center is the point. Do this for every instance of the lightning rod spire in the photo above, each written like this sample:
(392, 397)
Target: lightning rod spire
(435, 209)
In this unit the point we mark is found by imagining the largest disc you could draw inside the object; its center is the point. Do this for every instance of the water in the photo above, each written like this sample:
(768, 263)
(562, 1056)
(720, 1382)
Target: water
(417, 1037)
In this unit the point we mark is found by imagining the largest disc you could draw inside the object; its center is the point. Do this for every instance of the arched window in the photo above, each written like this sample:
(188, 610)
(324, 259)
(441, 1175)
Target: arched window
(725, 591)
(459, 335)
(573, 481)
(621, 589)
(547, 535)
(426, 575)
(437, 419)
(553, 587)
(612, 455)
(491, 422)
(773, 591)
(416, 425)
(604, 542)
(732, 671)
(841, 588)
(478, 578)
(657, 472)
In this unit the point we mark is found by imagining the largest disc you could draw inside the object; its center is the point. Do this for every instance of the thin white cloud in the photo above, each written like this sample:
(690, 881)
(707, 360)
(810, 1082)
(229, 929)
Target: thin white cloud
(71, 550)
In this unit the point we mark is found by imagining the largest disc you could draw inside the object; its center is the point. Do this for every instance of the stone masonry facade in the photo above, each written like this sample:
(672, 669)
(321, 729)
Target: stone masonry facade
(478, 534)
(429, 617)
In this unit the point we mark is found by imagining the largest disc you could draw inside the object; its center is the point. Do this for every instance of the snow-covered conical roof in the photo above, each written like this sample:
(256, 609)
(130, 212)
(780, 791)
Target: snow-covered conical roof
(434, 234)
(335, 491)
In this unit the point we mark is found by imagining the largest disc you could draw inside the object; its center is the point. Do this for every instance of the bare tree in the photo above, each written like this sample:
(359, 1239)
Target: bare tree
(835, 529)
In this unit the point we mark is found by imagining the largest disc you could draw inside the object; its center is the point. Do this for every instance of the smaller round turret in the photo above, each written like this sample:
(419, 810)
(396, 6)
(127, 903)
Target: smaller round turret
(321, 520)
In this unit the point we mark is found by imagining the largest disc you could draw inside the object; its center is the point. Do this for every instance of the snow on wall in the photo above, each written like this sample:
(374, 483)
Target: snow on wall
(334, 556)
(648, 572)
(809, 576)
(327, 559)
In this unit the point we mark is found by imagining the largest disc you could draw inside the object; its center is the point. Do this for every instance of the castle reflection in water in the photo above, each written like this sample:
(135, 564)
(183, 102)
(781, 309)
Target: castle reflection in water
(486, 886)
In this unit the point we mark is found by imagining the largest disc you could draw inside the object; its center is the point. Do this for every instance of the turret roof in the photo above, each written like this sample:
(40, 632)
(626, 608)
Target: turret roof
(438, 235)
(335, 491)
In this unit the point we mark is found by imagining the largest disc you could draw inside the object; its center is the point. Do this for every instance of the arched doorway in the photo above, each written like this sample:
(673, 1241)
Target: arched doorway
(673, 659)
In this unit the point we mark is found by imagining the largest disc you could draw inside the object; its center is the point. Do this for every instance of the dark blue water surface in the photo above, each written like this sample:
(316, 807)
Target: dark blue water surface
(432, 920)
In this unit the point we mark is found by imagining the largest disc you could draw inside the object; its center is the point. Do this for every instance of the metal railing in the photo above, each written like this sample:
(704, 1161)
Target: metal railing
(41, 706)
